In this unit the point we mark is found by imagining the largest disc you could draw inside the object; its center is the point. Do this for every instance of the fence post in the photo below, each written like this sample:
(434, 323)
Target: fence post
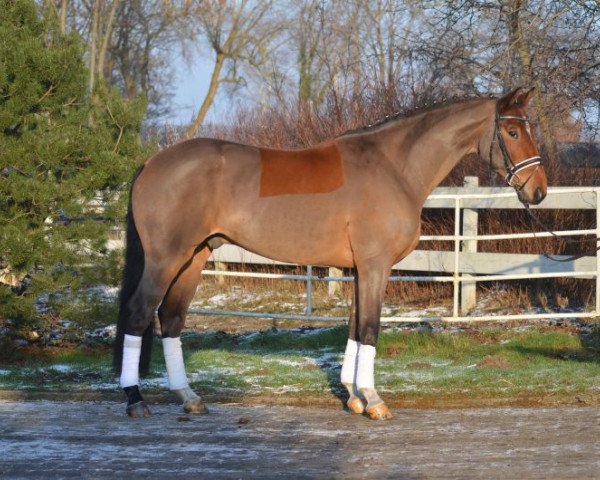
(309, 273)
(468, 296)
(221, 266)
(334, 287)
(597, 255)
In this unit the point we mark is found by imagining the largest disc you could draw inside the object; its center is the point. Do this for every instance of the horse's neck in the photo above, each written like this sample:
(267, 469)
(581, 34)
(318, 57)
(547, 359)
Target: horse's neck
(431, 144)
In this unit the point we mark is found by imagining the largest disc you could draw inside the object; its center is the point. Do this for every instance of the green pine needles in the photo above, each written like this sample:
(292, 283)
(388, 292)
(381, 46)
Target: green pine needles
(66, 157)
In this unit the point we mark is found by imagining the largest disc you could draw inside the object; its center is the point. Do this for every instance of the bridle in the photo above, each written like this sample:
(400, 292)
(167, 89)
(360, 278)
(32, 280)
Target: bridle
(512, 169)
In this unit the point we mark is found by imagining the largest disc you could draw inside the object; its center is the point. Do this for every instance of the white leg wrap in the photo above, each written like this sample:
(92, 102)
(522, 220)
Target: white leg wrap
(365, 372)
(349, 366)
(186, 394)
(132, 347)
(174, 360)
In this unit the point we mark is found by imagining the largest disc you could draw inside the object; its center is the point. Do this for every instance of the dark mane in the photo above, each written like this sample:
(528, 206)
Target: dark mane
(409, 112)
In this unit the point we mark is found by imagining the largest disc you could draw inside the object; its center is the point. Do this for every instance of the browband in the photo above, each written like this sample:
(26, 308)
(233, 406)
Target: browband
(513, 117)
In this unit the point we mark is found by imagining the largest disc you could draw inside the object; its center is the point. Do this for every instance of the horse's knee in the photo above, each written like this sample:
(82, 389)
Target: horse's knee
(140, 313)
(138, 323)
(368, 334)
(171, 321)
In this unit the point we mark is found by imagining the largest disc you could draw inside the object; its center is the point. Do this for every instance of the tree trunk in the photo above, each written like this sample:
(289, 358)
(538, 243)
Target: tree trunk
(106, 39)
(520, 43)
(215, 80)
(63, 16)
(94, 36)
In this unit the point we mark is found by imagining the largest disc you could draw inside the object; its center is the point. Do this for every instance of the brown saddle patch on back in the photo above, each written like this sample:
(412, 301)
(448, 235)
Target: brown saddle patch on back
(314, 170)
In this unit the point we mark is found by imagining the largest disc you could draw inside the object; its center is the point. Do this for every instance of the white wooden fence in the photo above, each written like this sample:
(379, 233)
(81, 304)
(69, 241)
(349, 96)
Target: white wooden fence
(463, 266)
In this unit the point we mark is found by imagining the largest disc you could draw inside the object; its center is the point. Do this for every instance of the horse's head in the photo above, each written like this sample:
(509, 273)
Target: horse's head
(514, 153)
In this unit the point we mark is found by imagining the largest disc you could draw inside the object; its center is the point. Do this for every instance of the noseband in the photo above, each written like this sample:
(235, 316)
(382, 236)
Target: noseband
(512, 169)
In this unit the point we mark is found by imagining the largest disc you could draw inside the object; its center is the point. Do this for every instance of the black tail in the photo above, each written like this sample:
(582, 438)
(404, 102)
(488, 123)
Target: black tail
(132, 274)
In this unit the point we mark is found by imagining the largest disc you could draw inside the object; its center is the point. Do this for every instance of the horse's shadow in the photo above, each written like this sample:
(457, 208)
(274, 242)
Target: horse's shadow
(588, 352)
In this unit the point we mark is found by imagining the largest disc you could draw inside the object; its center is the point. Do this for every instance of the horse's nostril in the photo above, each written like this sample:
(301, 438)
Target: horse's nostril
(539, 195)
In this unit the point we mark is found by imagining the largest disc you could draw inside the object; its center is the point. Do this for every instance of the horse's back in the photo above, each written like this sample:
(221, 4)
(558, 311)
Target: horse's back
(196, 166)
(200, 152)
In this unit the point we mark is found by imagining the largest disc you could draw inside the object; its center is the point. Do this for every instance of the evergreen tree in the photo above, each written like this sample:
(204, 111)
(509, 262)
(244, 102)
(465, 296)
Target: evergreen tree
(65, 160)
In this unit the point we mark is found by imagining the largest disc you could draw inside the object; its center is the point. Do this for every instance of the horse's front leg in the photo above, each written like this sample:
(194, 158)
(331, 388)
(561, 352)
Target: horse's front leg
(358, 371)
(348, 375)
(355, 401)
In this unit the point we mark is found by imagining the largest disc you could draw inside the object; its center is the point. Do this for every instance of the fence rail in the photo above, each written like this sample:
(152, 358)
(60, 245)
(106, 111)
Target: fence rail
(463, 266)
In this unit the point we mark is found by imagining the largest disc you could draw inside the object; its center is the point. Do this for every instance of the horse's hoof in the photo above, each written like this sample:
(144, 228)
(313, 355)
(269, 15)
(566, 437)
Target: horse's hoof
(355, 405)
(195, 406)
(379, 412)
(138, 410)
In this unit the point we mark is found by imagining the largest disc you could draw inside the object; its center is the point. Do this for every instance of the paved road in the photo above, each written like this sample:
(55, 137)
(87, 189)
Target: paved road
(43, 439)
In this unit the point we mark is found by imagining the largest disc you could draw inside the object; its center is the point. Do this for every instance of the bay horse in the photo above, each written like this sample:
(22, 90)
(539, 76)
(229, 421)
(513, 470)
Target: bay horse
(354, 201)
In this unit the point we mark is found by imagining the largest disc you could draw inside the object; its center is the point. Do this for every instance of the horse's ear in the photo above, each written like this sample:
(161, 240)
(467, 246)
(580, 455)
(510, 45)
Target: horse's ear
(519, 97)
(523, 95)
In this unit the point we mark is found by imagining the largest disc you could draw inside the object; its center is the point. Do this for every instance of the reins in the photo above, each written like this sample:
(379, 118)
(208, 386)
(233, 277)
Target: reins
(539, 223)
(512, 170)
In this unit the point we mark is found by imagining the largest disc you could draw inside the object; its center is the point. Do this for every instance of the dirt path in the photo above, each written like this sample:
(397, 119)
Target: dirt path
(44, 439)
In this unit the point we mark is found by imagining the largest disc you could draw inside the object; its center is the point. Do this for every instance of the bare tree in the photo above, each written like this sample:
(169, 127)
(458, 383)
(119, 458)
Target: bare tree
(102, 15)
(129, 44)
(489, 47)
(237, 33)
(144, 40)
(338, 56)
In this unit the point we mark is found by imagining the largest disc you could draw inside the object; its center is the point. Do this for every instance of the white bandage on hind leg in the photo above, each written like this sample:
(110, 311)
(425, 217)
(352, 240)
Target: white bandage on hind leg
(174, 360)
(130, 367)
(365, 372)
(186, 394)
(348, 374)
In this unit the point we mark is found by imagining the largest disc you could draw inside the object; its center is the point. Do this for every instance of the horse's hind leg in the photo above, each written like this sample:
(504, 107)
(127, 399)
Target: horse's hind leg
(140, 313)
(172, 313)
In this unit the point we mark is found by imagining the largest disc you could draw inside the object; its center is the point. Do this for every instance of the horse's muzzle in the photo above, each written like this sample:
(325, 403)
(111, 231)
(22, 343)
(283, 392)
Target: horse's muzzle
(532, 198)
(539, 195)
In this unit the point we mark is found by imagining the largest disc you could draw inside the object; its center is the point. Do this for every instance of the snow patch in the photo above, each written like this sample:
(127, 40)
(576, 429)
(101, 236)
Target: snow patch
(107, 332)
(156, 382)
(310, 330)
(427, 312)
(61, 368)
(283, 389)
(289, 363)
(218, 300)
(104, 293)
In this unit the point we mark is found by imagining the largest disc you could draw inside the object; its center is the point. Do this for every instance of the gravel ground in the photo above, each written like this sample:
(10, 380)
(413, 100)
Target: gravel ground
(45, 439)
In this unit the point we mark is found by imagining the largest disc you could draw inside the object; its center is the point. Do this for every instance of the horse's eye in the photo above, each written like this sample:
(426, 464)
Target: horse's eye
(513, 133)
